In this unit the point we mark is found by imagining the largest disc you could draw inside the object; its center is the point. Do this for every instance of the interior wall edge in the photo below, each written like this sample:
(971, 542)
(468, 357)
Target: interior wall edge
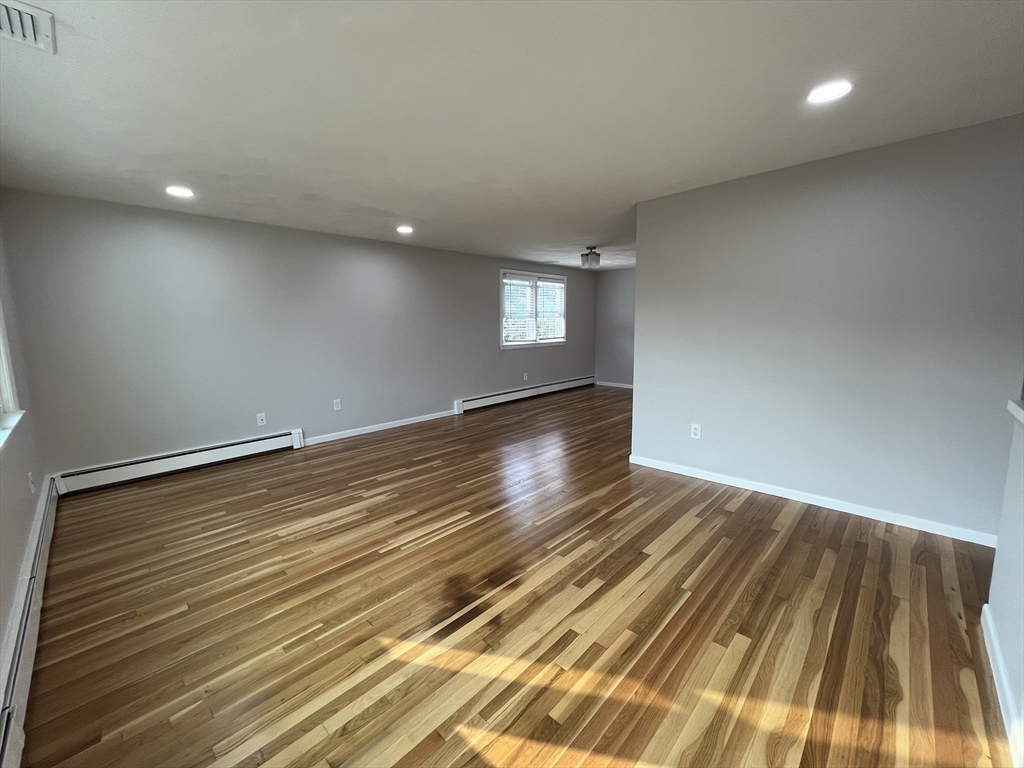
(1009, 708)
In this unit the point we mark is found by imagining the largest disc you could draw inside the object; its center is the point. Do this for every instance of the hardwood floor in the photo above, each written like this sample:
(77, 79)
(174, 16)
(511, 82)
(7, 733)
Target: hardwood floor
(500, 588)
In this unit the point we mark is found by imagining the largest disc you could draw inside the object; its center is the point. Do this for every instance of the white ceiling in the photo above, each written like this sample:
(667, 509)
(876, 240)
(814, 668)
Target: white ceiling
(508, 129)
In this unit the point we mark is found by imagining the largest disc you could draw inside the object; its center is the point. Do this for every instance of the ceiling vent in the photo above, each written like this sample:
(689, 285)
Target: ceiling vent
(25, 24)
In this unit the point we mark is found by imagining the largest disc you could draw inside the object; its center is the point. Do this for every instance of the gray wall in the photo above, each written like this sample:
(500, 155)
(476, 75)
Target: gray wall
(18, 457)
(851, 327)
(616, 291)
(1005, 603)
(146, 331)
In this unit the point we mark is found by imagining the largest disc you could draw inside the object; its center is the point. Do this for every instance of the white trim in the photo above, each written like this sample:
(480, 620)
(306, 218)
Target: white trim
(1009, 708)
(149, 466)
(613, 384)
(375, 428)
(527, 273)
(905, 521)
(469, 403)
(23, 625)
(532, 344)
(8, 389)
(1016, 407)
(8, 420)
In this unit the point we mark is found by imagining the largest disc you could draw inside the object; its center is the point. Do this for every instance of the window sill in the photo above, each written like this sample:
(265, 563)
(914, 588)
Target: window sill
(534, 344)
(7, 423)
(1016, 407)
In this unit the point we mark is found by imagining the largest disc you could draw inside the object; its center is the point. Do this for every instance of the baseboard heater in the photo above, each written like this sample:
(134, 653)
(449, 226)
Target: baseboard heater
(469, 403)
(19, 673)
(112, 474)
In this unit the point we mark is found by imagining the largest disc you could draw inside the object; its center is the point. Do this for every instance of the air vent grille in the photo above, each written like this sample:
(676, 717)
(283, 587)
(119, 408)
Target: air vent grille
(25, 24)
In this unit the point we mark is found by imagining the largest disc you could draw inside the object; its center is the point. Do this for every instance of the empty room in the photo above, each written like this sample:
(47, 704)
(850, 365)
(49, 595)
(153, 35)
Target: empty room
(511, 383)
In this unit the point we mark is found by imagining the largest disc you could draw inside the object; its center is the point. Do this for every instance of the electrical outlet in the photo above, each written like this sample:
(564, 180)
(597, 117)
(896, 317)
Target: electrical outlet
(31, 483)
(337, 405)
(526, 377)
(261, 419)
(695, 431)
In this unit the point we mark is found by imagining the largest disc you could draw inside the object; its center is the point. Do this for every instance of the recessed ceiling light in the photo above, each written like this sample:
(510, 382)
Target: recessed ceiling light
(175, 191)
(404, 229)
(830, 91)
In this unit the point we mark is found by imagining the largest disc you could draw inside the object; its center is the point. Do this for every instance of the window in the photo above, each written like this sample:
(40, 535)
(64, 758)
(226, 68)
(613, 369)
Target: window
(532, 309)
(8, 398)
(9, 413)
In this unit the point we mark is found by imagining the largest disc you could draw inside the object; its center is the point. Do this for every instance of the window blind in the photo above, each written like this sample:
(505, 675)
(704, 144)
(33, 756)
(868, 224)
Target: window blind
(532, 308)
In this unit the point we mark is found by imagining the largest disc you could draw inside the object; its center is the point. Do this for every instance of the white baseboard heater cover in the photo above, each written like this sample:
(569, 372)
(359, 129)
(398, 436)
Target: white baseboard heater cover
(469, 403)
(111, 474)
(20, 646)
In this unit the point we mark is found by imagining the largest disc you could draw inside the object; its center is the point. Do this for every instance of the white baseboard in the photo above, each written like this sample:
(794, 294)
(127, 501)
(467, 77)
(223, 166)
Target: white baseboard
(906, 521)
(18, 644)
(482, 401)
(150, 466)
(1009, 708)
(460, 406)
(375, 428)
(613, 384)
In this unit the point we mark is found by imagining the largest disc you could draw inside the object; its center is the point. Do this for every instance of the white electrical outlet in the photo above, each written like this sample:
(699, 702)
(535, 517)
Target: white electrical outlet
(31, 483)
(337, 405)
(695, 431)
(261, 419)
(526, 377)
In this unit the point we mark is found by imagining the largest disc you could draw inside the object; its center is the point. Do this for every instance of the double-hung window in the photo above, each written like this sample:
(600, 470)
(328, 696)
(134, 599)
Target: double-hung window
(532, 309)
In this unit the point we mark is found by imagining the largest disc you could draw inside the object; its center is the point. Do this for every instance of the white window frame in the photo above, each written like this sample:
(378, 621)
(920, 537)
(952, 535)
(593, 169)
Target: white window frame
(8, 392)
(9, 413)
(501, 310)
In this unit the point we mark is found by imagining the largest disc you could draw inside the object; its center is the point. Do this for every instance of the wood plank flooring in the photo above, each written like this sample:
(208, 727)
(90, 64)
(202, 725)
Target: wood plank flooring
(500, 588)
